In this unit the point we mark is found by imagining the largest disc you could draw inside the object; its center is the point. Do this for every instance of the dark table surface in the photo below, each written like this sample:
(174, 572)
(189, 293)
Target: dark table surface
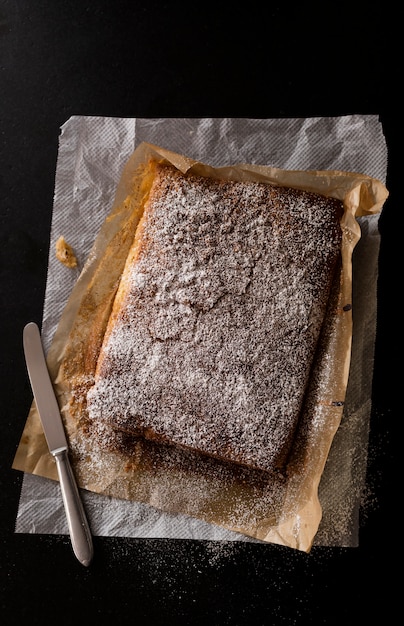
(139, 59)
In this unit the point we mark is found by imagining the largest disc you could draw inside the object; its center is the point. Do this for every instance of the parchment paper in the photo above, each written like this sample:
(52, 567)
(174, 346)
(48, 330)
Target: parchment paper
(254, 140)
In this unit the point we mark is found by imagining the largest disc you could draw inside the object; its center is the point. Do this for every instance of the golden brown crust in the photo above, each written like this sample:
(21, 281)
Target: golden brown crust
(65, 253)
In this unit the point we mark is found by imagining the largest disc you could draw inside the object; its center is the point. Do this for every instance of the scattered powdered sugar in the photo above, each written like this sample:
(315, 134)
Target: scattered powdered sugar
(216, 323)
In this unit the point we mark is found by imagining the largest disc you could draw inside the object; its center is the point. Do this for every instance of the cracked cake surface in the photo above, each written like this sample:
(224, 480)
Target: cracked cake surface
(217, 317)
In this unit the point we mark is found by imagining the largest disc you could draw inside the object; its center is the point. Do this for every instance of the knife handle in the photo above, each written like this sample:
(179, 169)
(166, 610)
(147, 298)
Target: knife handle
(76, 518)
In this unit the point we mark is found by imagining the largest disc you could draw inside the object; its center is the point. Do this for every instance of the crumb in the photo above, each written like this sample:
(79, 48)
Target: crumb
(64, 253)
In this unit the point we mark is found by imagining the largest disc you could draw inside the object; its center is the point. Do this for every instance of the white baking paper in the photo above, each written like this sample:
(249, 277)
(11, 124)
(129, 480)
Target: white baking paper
(92, 154)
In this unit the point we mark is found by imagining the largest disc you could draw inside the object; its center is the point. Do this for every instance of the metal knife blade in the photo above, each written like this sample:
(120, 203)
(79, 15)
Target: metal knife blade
(52, 424)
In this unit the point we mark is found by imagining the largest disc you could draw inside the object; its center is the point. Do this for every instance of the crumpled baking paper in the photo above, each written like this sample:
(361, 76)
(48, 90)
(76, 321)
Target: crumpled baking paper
(92, 154)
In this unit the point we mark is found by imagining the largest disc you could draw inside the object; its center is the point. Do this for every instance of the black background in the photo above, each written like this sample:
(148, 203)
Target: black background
(136, 59)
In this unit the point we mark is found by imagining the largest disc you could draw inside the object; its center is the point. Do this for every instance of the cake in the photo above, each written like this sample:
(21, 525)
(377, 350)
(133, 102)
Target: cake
(65, 253)
(216, 320)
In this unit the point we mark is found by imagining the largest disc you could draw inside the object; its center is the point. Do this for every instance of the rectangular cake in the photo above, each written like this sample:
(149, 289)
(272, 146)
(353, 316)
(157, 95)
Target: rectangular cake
(217, 317)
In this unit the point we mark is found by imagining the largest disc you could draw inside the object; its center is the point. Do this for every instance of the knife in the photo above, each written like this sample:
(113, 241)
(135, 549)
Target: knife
(55, 435)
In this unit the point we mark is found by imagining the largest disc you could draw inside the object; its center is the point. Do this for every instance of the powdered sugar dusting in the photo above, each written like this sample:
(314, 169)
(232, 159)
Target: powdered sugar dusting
(218, 319)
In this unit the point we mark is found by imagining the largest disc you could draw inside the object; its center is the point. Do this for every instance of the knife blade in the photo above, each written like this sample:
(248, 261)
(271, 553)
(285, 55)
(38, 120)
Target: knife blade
(55, 435)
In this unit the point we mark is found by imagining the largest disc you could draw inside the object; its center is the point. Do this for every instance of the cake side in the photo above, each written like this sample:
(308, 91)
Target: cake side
(217, 317)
